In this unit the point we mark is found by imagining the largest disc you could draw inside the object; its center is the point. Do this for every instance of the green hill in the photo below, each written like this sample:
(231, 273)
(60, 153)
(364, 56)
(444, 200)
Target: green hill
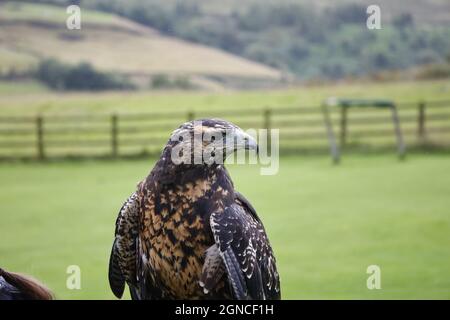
(311, 39)
(31, 32)
(220, 44)
(424, 12)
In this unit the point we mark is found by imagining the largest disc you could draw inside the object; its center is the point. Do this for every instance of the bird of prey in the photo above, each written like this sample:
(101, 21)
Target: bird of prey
(185, 233)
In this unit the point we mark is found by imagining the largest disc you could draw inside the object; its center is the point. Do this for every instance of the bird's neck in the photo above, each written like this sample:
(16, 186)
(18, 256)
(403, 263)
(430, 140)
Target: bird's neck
(188, 173)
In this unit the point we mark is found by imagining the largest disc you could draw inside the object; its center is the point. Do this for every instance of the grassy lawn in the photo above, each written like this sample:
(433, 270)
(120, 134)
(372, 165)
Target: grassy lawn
(21, 88)
(327, 224)
(31, 103)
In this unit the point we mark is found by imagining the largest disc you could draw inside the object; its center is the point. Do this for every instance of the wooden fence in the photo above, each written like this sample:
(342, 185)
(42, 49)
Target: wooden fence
(302, 129)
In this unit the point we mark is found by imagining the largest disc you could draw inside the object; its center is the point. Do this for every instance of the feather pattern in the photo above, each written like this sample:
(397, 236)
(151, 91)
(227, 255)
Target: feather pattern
(244, 247)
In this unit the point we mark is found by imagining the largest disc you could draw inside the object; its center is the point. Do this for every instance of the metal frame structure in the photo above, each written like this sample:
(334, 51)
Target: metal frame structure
(345, 104)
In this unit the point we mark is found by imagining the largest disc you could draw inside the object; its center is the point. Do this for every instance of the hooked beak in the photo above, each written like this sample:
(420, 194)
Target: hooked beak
(244, 141)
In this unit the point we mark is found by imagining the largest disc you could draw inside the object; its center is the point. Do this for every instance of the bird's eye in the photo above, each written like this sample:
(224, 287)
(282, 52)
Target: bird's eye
(213, 138)
(180, 138)
(213, 154)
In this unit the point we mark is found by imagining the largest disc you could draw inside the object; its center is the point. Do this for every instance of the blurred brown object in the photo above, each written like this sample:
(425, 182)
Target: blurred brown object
(15, 286)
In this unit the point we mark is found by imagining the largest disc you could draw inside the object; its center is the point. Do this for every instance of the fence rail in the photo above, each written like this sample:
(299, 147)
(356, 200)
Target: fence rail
(302, 128)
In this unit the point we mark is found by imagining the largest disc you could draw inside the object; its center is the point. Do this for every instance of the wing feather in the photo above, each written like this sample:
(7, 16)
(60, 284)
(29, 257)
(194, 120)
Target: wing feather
(122, 262)
(246, 251)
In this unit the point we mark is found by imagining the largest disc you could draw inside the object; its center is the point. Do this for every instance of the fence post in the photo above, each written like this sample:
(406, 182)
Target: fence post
(421, 122)
(268, 126)
(398, 133)
(40, 137)
(190, 115)
(334, 149)
(267, 119)
(114, 135)
(343, 136)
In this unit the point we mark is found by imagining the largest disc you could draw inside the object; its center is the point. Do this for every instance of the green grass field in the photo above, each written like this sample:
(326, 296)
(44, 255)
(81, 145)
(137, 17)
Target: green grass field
(24, 101)
(327, 224)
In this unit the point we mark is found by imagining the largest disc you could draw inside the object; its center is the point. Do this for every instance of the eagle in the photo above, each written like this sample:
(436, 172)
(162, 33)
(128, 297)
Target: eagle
(186, 233)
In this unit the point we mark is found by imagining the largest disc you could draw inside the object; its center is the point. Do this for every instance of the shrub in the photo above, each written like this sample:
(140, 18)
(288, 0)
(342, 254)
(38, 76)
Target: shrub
(162, 81)
(82, 76)
(434, 71)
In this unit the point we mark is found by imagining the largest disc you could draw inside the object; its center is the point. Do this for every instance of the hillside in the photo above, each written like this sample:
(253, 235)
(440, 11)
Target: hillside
(429, 12)
(310, 39)
(424, 12)
(31, 32)
(224, 44)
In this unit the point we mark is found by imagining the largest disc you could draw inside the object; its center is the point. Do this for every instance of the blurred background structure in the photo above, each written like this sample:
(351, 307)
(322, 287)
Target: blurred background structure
(84, 114)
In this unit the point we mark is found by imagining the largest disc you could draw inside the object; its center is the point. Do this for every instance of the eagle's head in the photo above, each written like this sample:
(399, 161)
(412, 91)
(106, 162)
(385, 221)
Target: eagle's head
(207, 141)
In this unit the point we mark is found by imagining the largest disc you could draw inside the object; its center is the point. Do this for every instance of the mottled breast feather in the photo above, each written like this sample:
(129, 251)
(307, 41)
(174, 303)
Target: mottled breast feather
(175, 233)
